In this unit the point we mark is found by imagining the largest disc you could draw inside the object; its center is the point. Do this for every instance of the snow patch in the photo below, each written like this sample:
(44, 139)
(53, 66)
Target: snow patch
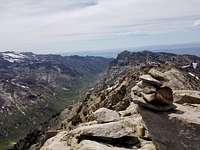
(193, 75)
(184, 67)
(19, 85)
(194, 65)
(66, 89)
(13, 57)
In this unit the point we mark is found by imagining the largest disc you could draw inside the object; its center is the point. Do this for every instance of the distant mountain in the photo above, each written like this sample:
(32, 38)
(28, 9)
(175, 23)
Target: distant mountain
(193, 49)
(33, 88)
(139, 58)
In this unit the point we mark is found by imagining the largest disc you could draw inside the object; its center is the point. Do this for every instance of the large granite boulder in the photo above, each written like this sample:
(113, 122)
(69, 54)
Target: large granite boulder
(113, 129)
(104, 115)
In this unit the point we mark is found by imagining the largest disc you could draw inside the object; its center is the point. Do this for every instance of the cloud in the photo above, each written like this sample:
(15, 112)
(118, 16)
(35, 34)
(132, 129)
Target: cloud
(196, 23)
(49, 23)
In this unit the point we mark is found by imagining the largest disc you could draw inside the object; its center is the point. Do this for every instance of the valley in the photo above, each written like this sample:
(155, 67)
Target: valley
(33, 88)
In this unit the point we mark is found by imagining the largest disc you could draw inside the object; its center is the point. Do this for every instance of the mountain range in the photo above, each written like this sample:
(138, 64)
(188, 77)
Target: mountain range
(189, 48)
(33, 88)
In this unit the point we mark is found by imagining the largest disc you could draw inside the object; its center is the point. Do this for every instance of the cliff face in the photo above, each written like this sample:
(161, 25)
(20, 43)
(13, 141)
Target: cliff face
(146, 101)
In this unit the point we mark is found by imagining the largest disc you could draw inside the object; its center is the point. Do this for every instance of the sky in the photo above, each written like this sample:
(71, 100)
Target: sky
(57, 26)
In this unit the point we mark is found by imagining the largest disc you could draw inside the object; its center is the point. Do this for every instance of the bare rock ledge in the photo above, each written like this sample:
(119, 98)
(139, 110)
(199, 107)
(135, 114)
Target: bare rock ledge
(174, 130)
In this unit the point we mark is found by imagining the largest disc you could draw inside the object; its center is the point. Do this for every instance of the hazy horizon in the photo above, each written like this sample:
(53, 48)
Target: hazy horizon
(95, 25)
(187, 48)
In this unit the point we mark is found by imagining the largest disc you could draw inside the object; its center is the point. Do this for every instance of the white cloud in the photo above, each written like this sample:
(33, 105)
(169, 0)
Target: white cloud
(196, 23)
(34, 24)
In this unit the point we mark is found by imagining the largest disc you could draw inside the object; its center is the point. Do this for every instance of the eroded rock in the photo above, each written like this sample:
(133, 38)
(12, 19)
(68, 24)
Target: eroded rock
(149, 97)
(56, 143)
(113, 129)
(104, 115)
(187, 96)
(149, 79)
(132, 109)
(92, 145)
(125, 141)
(164, 95)
(155, 107)
(157, 74)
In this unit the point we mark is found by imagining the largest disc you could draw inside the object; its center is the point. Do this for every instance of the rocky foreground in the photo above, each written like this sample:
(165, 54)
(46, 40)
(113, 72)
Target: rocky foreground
(146, 106)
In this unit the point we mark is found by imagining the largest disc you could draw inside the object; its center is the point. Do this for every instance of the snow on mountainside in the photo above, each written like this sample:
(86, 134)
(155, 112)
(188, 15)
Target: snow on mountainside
(13, 57)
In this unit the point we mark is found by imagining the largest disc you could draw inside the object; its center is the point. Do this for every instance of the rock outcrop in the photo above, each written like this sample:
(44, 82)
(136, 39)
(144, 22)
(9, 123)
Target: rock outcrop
(126, 133)
(104, 115)
(187, 96)
(174, 130)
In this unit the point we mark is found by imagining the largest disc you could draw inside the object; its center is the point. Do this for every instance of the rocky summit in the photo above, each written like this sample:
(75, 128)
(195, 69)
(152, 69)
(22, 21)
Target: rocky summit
(147, 101)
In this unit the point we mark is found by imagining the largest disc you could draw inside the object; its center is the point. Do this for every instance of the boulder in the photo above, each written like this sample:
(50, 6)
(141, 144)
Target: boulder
(159, 107)
(164, 95)
(92, 145)
(149, 89)
(136, 89)
(187, 96)
(174, 130)
(132, 109)
(125, 141)
(157, 74)
(176, 80)
(113, 129)
(145, 87)
(149, 97)
(149, 79)
(104, 115)
(56, 143)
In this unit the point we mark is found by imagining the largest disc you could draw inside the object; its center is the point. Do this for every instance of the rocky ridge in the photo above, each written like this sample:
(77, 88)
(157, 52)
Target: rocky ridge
(140, 106)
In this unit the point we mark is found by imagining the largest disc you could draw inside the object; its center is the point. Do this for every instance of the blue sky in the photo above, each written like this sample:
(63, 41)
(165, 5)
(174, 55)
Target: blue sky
(50, 26)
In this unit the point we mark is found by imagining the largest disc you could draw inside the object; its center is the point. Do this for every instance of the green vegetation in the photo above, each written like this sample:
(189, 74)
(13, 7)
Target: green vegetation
(62, 99)
(40, 89)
